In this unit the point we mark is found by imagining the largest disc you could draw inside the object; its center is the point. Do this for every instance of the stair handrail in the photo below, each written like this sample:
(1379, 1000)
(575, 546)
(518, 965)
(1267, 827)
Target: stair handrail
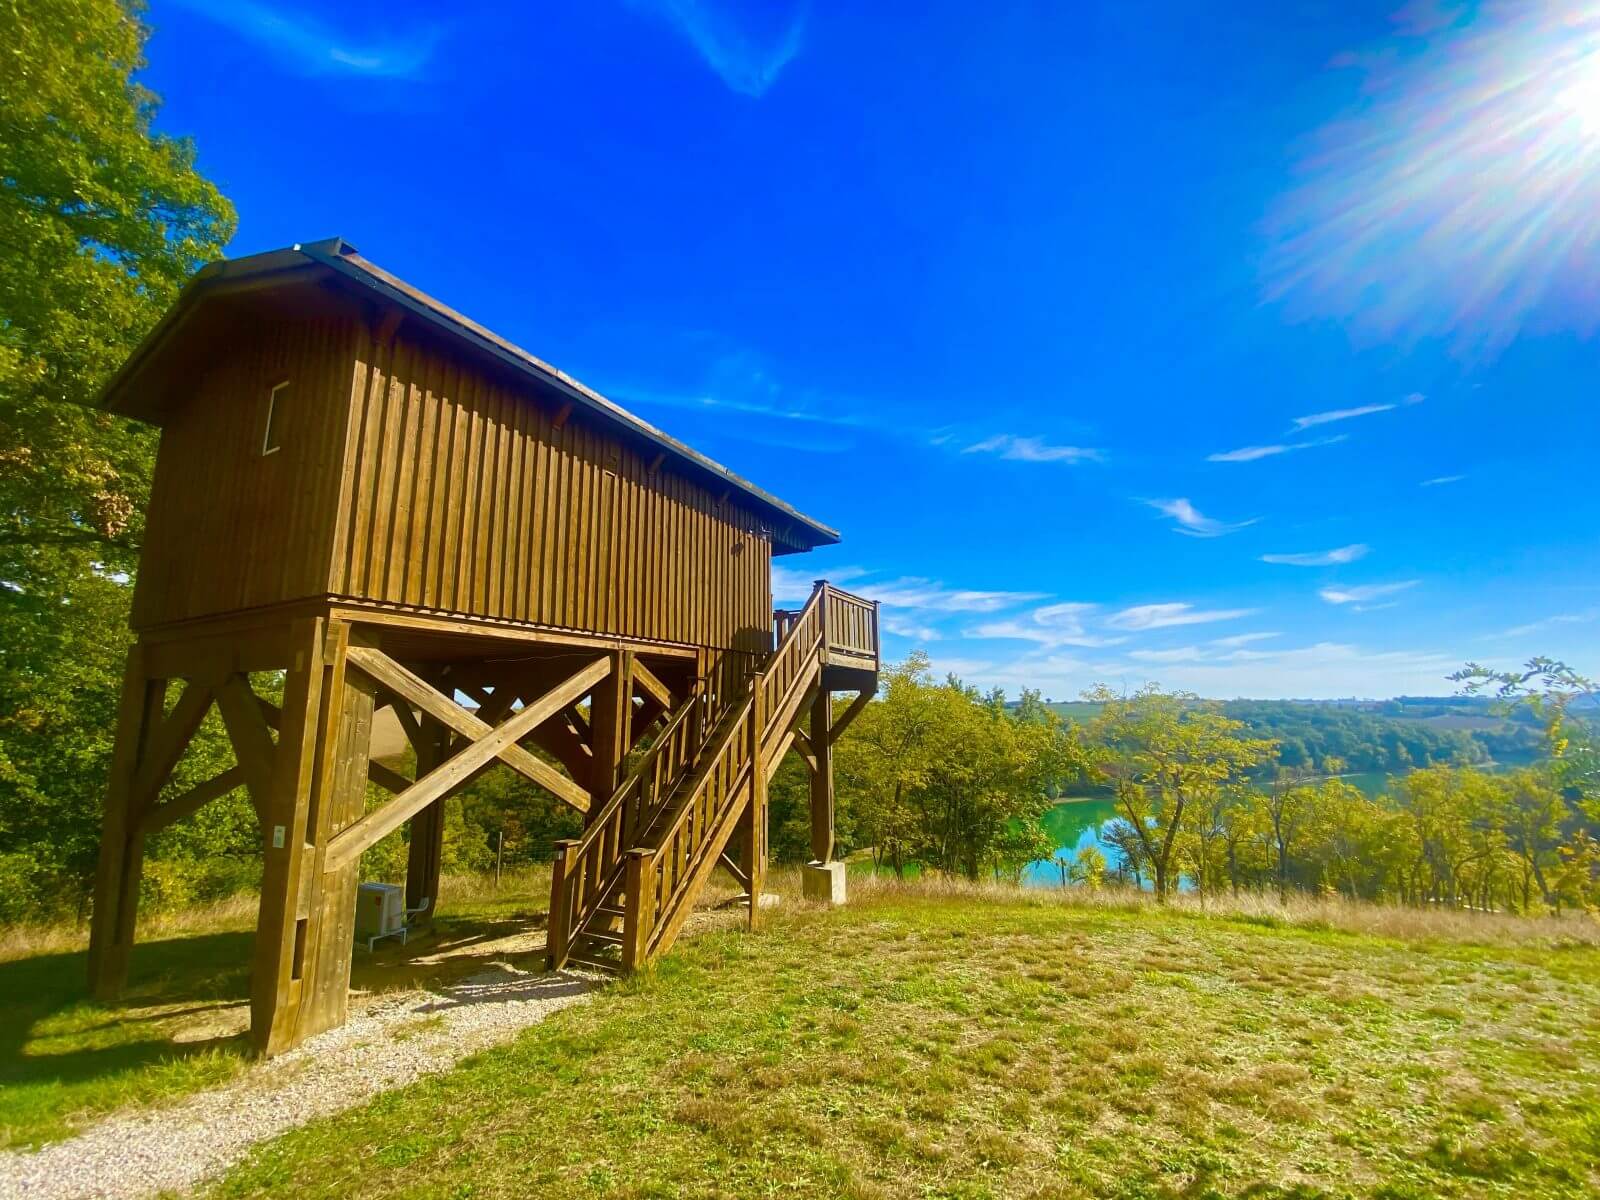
(802, 639)
(572, 872)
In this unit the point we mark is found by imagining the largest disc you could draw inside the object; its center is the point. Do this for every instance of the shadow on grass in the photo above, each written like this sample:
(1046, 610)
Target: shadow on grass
(180, 1023)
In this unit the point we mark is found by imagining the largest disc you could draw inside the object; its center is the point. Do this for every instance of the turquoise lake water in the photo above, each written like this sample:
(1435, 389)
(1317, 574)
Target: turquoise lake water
(1078, 823)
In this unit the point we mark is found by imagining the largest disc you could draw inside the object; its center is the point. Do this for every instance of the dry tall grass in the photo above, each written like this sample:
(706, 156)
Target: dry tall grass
(528, 888)
(1264, 908)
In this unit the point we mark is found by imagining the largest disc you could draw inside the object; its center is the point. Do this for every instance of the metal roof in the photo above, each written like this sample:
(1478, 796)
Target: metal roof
(342, 259)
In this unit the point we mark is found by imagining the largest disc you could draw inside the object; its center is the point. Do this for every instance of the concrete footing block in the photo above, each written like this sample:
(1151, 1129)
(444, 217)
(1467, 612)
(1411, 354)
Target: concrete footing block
(823, 882)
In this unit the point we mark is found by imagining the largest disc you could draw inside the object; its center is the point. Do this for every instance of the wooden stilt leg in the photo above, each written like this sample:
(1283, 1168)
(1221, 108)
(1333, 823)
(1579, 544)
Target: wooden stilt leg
(822, 778)
(425, 859)
(610, 707)
(278, 978)
(755, 864)
(116, 896)
(343, 751)
(755, 841)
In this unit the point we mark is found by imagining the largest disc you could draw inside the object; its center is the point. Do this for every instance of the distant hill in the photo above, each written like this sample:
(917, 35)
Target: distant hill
(1377, 735)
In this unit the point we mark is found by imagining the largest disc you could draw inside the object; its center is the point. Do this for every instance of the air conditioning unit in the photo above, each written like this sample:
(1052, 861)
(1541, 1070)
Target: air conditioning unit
(380, 912)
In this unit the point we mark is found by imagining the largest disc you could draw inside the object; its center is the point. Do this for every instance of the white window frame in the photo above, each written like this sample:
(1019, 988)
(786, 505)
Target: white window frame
(267, 446)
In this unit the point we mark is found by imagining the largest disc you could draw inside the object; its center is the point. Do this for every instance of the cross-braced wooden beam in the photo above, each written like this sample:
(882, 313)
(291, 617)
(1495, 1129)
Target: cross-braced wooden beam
(387, 673)
(490, 742)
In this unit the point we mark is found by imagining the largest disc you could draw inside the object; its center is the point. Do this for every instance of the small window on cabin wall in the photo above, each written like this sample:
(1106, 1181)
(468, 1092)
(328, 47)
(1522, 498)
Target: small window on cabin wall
(272, 432)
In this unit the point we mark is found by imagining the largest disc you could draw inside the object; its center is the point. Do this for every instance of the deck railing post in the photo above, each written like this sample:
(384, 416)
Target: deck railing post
(639, 915)
(556, 938)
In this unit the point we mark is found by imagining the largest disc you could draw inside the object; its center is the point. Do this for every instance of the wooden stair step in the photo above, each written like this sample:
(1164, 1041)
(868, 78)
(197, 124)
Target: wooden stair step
(605, 936)
(606, 966)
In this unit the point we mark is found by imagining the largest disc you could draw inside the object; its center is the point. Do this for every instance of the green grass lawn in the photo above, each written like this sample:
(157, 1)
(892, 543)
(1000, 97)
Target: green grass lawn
(990, 1046)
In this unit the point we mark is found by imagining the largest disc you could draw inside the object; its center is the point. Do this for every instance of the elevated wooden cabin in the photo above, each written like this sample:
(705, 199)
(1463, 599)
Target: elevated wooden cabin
(366, 491)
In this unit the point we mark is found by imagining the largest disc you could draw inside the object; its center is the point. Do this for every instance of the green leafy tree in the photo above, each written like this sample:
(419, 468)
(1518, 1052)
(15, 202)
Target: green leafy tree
(101, 221)
(1168, 754)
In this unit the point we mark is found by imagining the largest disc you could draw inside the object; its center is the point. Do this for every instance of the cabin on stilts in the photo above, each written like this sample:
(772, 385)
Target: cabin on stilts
(371, 504)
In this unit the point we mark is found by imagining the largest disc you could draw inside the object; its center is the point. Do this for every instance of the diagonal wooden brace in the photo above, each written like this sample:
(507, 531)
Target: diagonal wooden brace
(385, 672)
(349, 843)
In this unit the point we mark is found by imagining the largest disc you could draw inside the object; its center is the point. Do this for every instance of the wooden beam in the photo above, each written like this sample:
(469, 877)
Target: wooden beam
(285, 935)
(651, 685)
(740, 876)
(167, 743)
(822, 802)
(610, 710)
(116, 895)
(192, 801)
(247, 730)
(348, 845)
(384, 671)
(842, 721)
(387, 778)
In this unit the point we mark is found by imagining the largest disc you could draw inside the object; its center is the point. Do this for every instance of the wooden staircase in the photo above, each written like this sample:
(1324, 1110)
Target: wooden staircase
(621, 893)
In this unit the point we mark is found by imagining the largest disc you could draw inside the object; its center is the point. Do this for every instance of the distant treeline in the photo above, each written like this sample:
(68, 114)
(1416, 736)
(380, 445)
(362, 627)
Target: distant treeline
(1389, 736)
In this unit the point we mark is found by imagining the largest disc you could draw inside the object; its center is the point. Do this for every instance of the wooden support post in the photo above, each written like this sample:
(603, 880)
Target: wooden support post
(278, 965)
(822, 777)
(344, 746)
(610, 708)
(116, 895)
(555, 942)
(638, 918)
(754, 856)
(425, 851)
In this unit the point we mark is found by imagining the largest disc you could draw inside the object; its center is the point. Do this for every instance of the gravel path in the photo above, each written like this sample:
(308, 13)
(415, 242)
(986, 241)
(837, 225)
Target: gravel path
(393, 1042)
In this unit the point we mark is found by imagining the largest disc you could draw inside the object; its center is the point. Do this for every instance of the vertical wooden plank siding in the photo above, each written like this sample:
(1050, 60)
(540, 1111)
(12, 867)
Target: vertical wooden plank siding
(228, 527)
(469, 500)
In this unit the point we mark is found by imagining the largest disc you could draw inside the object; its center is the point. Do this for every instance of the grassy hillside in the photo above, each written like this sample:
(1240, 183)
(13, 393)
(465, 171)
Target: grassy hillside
(972, 1044)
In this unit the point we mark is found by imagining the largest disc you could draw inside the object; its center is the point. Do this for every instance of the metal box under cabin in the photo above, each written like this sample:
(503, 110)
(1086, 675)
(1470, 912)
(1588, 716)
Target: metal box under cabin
(331, 434)
(380, 912)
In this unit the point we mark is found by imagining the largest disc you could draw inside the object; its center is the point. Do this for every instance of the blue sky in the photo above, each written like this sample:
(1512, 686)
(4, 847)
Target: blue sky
(1244, 348)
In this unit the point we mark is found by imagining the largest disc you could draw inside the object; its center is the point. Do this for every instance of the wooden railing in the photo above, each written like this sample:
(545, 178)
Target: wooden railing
(668, 873)
(851, 624)
(585, 868)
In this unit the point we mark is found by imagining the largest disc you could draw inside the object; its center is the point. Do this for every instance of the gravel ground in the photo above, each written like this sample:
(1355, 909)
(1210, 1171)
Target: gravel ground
(394, 1041)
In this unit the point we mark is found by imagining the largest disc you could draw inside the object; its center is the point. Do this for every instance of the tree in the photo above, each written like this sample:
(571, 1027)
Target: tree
(1168, 753)
(102, 220)
(1532, 814)
(885, 754)
(1555, 694)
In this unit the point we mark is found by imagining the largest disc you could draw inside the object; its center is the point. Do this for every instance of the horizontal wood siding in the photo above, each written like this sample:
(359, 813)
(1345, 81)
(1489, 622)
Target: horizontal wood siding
(229, 528)
(464, 497)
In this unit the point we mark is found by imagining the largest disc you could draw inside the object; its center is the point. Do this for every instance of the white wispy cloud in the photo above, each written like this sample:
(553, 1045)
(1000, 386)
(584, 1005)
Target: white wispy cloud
(748, 60)
(1365, 593)
(1345, 414)
(1441, 480)
(1320, 558)
(1577, 618)
(1032, 449)
(904, 627)
(1244, 639)
(932, 596)
(1253, 453)
(1322, 670)
(1193, 522)
(308, 46)
(1050, 625)
(791, 585)
(1162, 616)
